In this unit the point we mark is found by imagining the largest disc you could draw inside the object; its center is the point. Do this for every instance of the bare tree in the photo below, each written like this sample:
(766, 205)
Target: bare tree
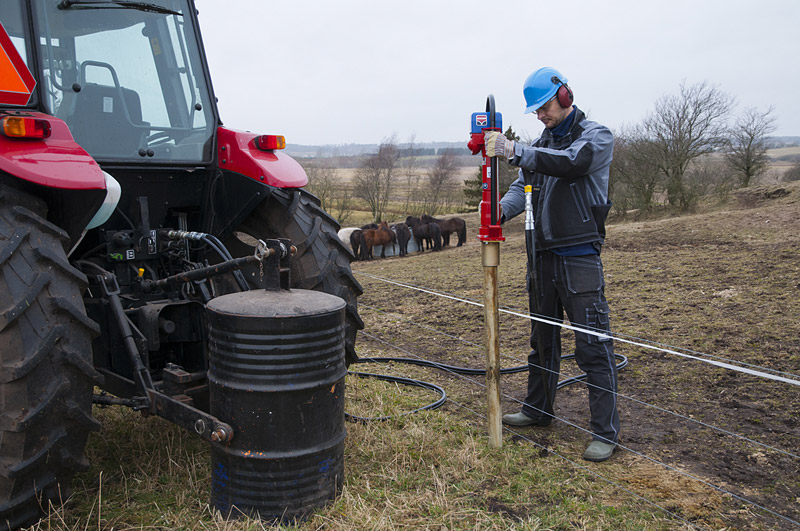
(321, 181)
(635, 177)
(685, 127)
(342, 204)
(707, 175)
(409, 164)
(375, 176)
(619, 190)
(440, 178)
(746, 149)
(335, 198)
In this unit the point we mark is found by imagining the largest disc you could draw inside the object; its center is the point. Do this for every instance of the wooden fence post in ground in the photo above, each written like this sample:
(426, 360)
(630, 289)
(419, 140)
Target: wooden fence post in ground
(490, 254)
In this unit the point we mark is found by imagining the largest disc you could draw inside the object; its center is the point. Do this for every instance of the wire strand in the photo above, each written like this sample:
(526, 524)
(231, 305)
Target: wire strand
(529, 314)
(631, 450)
(617, 393)
(605, 335)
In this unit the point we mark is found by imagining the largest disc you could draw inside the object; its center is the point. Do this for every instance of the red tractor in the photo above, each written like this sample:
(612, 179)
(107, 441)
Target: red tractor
(123, 202)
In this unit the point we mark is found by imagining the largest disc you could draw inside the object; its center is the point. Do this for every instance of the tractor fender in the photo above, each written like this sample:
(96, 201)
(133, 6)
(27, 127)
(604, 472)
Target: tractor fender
(57, 170)
(237, 152)
(56, 161)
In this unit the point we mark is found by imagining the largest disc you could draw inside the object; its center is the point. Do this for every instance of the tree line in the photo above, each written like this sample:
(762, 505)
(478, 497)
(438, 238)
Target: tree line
(392, 176)
(690, 145)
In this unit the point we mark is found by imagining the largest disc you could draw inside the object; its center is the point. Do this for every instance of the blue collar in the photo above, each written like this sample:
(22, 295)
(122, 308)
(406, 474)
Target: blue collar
(562, 129)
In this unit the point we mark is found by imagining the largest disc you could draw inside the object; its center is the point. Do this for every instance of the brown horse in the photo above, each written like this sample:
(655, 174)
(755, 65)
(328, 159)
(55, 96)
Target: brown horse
(383, 235)
(449, 226)
(355, 239)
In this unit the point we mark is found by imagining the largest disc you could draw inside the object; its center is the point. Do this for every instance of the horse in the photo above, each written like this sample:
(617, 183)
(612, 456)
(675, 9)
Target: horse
(355, 241)
(449, 226)
(383, 236)
(428, 232)
(403, 236)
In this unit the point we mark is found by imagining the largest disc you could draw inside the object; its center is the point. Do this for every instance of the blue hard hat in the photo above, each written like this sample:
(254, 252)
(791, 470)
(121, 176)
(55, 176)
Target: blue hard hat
(540, 86)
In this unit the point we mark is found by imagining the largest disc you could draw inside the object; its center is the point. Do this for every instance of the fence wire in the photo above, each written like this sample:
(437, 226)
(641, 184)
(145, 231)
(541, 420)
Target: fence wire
(762, 372)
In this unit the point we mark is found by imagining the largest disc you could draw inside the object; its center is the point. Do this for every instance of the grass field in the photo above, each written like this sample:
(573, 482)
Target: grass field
(723, 282)
(782, 152)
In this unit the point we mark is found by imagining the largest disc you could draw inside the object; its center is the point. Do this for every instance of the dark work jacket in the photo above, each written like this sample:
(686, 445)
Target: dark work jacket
(570, 182)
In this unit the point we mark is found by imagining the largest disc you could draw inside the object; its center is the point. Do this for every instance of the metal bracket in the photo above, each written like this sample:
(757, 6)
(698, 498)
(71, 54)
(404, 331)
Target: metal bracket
(276, 263)
(110, 286)
(206, 426)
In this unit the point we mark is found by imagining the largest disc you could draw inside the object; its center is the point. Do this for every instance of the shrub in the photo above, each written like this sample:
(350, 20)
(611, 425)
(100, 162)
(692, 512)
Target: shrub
(793, 173)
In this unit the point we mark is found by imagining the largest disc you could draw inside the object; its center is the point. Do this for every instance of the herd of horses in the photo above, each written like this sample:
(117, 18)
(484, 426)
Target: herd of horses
(426, 231)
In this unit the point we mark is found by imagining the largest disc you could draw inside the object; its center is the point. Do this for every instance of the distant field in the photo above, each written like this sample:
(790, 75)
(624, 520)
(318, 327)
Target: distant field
(346, 175)
(782, 152)
(397, 210)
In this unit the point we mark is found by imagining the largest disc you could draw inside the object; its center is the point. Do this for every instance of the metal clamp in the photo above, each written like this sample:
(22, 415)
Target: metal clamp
(262, 251)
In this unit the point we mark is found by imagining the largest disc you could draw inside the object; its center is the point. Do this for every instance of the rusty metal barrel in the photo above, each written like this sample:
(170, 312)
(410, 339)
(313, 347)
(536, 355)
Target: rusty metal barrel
(276, 375)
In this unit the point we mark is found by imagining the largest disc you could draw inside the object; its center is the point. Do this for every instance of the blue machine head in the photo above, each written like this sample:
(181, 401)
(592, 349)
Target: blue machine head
(480, 121)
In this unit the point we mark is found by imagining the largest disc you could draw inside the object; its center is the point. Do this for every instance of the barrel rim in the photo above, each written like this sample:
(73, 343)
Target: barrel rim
(325, 303)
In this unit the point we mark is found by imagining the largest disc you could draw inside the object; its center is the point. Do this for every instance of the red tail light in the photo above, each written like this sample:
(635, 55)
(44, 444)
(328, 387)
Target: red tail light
(270, 142)
(24, 127)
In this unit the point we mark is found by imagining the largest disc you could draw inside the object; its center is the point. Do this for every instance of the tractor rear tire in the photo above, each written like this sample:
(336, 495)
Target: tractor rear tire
(322, 261)
(46, 373)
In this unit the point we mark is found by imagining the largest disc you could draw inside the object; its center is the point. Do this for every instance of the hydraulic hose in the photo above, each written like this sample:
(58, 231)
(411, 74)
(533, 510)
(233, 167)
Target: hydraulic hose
(530, 244)
(404, 381)
(448, 368)
(223, 252)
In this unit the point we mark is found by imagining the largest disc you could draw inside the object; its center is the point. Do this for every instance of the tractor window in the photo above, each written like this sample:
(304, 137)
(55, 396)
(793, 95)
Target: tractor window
(11, 19)
(128, 82)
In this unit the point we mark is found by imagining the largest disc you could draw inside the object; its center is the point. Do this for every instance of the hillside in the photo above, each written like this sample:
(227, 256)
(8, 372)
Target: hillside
(725, 283)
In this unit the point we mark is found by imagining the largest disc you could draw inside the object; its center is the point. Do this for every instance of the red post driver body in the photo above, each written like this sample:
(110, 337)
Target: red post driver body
(490, 120)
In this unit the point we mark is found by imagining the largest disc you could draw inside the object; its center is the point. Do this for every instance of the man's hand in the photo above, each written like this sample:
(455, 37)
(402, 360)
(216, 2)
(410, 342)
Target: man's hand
(497, 145)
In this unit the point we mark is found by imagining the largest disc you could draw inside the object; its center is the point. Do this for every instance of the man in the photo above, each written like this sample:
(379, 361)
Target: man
(567, 168)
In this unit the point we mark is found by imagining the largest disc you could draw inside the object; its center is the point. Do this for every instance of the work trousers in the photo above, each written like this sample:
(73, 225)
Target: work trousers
(575, 285)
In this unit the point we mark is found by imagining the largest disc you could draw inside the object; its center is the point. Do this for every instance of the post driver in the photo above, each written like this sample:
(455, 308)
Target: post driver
(490, 234)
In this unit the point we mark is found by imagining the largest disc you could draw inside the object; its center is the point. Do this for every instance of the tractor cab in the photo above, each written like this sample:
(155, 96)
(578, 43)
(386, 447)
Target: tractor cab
(128, 79)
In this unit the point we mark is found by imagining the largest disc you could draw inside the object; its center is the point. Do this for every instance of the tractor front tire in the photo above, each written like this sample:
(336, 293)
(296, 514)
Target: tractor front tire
(46, 373)
(322, 261)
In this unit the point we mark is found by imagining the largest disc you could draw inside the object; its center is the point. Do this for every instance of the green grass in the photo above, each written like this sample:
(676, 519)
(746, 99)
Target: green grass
(432, 470)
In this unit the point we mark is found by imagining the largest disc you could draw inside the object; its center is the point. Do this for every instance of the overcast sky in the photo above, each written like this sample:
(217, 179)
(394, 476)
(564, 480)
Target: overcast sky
(359, 71)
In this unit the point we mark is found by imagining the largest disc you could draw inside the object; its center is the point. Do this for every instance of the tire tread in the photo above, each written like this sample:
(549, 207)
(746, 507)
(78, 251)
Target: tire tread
(322, 261)
(46, 373)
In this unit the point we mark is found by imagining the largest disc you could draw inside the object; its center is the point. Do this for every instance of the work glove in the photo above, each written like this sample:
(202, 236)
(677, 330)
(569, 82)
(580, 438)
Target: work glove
(497, 145)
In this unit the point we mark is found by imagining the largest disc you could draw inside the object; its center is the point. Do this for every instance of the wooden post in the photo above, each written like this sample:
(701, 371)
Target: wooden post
(490, 254)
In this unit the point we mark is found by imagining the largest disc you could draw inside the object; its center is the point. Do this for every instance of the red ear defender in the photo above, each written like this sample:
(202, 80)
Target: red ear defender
(564, 94)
